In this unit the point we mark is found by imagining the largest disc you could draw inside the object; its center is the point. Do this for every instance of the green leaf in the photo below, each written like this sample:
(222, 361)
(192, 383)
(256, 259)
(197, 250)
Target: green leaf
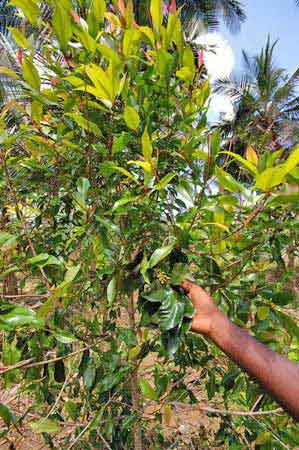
(62, 25)
(36, 111)
(171, 312)
(102, 83)
(159, 255)
(164, 63)
(227, 181)
(144, 268)
(132, 118)
(43, 260)
(112, 290)
(215, 143)
(188, 57)
(148, 32)
(147, 148)
(7, 241)
(125, 200)
(263, 438)
(64, 337)
(156, 296)
(71, 274)
(251, 156)
(272, 177)
(131, 42)
(147, 390)
(185, 74)
(263, 312)
(171, 341)
(45, 426)
(163, 183)
(29, 8)
(83, 186)
(8, 271)
(96, 15)
(30, 74)
(8, 72)
(89, 376)
(156, 14)
(19, 317)
(288, 323)
(19, 37)
(7, 415)
(284, 199)
(292, 160)
(246, 164)
(87, 125)
(179, 273)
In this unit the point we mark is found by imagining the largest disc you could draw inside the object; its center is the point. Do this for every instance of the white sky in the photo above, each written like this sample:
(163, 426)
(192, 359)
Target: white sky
(220, 62)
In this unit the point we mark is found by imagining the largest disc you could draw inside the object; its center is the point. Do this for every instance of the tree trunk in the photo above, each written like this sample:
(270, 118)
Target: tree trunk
(137, 435)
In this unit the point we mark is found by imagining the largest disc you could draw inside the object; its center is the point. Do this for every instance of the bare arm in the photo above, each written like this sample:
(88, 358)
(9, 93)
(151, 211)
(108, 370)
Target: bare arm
(278, 375)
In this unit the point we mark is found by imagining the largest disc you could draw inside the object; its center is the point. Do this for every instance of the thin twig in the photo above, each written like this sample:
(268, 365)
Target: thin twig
(58, 397)
(19, 365)
(273, 434)
(88, 425)
(225, 412)
(80, 435)
(26, 296)
(25, 364)
(257, 402)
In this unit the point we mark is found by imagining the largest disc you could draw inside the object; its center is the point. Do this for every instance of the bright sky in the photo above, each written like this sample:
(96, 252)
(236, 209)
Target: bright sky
(279, 18)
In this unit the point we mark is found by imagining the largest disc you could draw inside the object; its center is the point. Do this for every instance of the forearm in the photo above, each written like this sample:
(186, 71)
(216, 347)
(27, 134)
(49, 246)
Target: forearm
(278, 375)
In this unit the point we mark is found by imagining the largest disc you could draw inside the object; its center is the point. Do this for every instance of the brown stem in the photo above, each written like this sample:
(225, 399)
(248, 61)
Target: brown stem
(137, 436)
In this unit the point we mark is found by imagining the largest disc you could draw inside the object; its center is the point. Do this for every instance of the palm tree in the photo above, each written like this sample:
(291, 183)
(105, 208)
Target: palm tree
(8, 17)
(266, 102)
(211, 12)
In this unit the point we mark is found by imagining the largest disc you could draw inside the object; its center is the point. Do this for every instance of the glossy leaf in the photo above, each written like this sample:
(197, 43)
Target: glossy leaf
(159, 255)
(124, 201)
(83, 185)
(156, 14)
(163, 183)
(7, 415)
(7, 241)
(272, 177)
(171, 312)
(112, 290)
(252, 156)
(65, 337)
(132, 118)
(227, 181)
(30, 74)
(284, 199)
(20, 38)
(8, 72)
(147, 147)
(147, 390)
(71, 274)
(45, 426)
(62, 25)
(84, 123)
(157, 296)
(246, 164)
(20, 317)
